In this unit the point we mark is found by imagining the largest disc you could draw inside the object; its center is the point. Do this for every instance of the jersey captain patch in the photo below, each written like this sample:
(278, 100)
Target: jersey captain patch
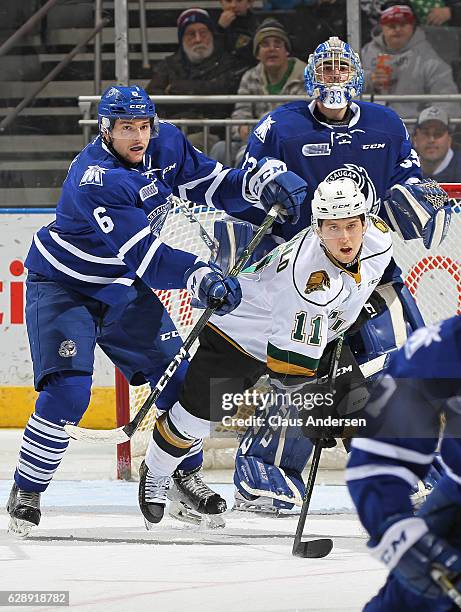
(317, 281)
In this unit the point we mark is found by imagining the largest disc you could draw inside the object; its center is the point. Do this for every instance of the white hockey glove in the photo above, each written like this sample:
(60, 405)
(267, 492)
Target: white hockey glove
(420, 210)
(271, 183)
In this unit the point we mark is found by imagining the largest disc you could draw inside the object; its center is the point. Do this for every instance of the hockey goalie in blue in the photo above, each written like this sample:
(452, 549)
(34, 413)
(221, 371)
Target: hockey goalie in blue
(329, 138)
(92, 271)
(421, 550)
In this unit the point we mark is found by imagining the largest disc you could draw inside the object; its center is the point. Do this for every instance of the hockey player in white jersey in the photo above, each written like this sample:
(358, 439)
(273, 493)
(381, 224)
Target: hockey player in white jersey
(295, 302)
(335, 136)
(92, 271)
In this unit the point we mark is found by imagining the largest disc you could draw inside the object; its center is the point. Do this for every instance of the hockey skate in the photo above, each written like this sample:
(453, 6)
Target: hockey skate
(24, 510)
(192, 501)
(264, 506)
(152, 496)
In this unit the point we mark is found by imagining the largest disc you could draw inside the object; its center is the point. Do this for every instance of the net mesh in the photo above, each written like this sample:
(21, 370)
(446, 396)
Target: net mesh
(433, 277)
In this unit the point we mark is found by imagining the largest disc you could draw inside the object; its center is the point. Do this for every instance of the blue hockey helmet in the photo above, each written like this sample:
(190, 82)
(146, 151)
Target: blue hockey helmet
(119, 102)
(333, 73)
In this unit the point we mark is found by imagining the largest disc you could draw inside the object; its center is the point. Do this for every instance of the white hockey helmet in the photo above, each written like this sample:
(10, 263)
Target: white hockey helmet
(339, 199)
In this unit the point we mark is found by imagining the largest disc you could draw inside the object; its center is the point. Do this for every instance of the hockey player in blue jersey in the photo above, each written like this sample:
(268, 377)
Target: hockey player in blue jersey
(423, 379)
(329, 138)
(92, 271)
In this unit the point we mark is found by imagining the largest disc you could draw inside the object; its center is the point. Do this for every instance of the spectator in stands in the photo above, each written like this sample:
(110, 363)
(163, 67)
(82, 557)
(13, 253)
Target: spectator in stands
(198, 67)
(432, 140)
(275, 73)
(401, 61)
(442, 12)
(236, 26)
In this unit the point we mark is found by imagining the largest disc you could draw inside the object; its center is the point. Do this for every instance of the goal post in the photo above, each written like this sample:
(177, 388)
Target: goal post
(433, 277)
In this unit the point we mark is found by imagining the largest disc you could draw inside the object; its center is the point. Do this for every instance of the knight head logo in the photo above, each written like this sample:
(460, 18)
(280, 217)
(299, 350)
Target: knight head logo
(317, 281)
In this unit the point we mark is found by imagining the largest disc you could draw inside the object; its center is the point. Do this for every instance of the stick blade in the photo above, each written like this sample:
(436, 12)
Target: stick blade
(314, 549)
(97, 436)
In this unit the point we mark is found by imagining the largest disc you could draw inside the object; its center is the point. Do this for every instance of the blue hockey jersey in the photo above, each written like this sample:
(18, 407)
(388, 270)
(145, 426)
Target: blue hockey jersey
(109, 216)
(374, 150)
(423, 376)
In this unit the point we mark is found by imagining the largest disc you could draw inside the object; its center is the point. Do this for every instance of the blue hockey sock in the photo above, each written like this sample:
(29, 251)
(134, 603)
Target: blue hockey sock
(64, 398)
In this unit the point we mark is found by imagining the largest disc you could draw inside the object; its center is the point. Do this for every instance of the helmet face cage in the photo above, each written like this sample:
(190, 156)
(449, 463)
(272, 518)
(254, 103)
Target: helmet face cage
(334, 73)
(127, 103)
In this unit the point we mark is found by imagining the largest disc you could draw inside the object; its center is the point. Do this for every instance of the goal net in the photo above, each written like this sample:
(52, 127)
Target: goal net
(433, 277)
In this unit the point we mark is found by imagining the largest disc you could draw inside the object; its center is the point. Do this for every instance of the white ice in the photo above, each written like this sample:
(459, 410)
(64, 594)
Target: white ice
(92, 542)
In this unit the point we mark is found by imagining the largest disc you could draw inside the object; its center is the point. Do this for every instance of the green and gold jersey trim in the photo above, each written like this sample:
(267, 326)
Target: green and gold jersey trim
(229, 339)
(289, 362)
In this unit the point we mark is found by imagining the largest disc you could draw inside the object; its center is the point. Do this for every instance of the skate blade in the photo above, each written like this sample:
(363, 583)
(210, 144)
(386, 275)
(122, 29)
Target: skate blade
(264, 510)
(182, 513)
(19, 528)
(148, 525)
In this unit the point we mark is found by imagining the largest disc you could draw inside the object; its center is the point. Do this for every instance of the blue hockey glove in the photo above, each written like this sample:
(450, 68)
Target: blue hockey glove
(420, 210)
(271, 183)
(232, 237)
(410, 551)
(209, 287)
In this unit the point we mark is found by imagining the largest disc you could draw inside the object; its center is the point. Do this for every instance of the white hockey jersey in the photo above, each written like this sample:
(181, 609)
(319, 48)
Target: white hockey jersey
(296, 300)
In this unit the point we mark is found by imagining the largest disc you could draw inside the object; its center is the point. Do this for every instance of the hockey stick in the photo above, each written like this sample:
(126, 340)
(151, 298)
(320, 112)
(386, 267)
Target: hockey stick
(210, 242)
(124, 433)
(446, 585)
(315, 549)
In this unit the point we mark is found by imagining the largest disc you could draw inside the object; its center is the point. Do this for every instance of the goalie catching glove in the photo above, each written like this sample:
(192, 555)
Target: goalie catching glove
(420, 210)
(271, 183)
(208, 286)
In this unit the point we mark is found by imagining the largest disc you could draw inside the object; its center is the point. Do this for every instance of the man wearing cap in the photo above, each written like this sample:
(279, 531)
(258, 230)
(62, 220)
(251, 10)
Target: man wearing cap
(432, 140)
(276, 73)
(199, 67)
(401, 61)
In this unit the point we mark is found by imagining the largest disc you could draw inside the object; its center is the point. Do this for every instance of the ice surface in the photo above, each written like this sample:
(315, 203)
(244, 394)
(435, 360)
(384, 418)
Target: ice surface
(92, 542)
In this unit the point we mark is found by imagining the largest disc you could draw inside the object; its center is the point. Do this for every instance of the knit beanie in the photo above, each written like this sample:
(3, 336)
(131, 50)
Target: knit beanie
(192, 15)
(270, 27)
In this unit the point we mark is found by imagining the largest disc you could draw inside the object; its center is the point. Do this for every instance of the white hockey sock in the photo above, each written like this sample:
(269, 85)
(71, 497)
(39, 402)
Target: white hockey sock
(190, 428)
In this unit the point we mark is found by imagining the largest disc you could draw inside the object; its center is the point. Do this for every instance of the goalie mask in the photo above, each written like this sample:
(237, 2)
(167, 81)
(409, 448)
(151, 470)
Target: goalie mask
(340, 199)
(127, 103)
(334, 73)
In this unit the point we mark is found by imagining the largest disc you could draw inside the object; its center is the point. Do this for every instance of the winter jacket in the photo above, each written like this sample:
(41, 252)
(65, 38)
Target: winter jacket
(254, 82)
(237, 38)
(416, 69)
(175, 75)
